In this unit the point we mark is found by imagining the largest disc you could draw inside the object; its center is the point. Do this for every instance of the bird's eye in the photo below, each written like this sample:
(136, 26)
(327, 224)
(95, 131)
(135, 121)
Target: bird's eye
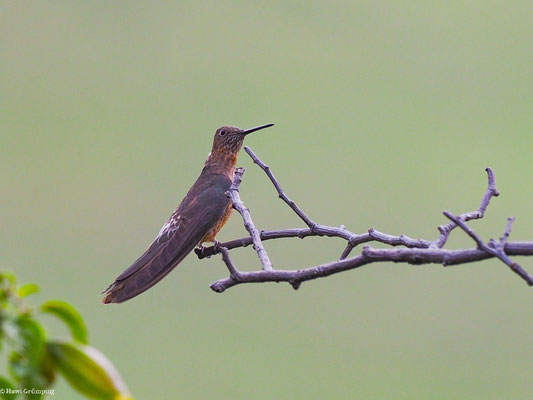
(222, 132)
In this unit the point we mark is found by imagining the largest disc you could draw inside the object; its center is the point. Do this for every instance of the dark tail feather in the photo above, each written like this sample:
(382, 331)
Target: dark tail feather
(133, 285)
(149, 269)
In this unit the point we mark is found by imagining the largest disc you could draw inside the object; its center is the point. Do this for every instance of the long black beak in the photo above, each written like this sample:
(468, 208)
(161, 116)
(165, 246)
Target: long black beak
(247, 131)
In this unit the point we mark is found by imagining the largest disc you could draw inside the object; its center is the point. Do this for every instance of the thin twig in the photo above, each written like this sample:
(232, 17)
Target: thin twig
(233, 194)
(507, 231)
(353, 239)
(495, 249)
(491, 192)
(280, 191)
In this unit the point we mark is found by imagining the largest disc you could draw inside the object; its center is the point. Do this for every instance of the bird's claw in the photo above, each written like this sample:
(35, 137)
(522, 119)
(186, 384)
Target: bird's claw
(200, 251)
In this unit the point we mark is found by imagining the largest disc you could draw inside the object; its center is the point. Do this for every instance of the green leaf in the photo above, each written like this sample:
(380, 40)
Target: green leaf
(27, 289)
(32, 376)
(88, 371)
(17, 368)
(9, 275)
(5, 386)
(47, 368)
(26, 361)
(31, 336)
(28, 376)
(69, 316)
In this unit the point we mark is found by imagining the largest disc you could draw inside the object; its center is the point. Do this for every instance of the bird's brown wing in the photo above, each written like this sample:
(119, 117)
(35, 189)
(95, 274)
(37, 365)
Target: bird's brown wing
(197, 214)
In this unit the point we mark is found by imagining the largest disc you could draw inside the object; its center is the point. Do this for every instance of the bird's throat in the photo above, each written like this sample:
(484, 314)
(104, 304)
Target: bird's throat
(222, 162)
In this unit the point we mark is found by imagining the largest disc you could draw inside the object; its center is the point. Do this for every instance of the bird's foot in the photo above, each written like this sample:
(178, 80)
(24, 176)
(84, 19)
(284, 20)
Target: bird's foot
(200, 251)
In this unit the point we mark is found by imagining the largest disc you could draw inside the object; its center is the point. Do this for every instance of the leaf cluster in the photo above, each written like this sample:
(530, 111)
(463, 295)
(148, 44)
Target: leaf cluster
(34, 360)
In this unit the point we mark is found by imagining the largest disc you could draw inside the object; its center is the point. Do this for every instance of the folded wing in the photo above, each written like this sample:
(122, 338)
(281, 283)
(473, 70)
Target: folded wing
(197, 214)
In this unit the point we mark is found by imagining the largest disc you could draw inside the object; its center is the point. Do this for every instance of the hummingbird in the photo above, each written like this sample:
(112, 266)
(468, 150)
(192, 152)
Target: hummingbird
(198, 219)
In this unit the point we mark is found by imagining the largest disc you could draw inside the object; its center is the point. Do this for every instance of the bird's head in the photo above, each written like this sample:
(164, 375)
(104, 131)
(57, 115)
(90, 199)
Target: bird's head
(229, 139)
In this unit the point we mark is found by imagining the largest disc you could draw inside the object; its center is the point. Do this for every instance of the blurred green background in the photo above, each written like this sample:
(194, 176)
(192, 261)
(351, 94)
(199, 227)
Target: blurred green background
(386, 114)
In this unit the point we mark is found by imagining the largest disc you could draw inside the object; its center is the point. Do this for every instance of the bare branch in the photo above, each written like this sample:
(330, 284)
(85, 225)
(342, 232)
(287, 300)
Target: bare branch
(233, 271)
(459, 222)
(507, 231)
(494, 248)
(491, 192)
(413, 256)
(353, 239)
(281, 194)
(407, 250)
(233, 194)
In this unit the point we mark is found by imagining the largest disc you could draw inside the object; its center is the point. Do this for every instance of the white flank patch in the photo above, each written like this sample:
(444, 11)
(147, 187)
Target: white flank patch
(170, 227)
